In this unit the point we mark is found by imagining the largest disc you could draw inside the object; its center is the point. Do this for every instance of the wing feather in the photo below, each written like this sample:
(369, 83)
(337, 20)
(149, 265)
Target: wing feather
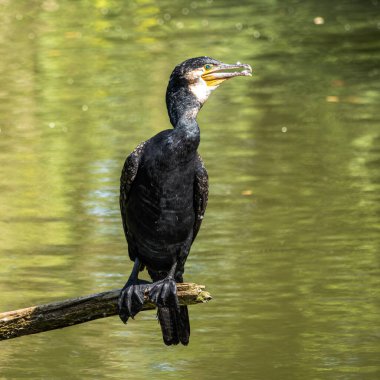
(128, 175)
(200, 194)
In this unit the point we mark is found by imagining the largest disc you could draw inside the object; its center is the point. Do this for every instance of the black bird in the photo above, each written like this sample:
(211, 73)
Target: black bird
(163, 196)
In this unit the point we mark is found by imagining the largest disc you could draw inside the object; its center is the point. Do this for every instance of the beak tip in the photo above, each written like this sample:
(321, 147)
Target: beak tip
(247, 72)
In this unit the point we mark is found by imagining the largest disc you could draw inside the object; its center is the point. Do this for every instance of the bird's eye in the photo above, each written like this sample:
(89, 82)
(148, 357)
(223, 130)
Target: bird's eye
(207, 67)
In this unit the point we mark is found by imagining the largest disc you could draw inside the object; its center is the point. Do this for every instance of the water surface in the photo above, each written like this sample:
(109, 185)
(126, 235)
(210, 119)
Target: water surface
(289, 247)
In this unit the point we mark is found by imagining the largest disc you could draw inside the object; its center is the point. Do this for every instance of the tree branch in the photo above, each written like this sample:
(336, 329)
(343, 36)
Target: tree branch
(56, 315)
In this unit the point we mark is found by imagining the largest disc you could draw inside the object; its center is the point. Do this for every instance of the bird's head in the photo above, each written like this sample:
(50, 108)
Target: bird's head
(192, 82)
(202, 75)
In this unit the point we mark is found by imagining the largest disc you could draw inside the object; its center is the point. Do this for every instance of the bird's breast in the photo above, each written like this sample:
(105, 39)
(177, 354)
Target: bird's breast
(161, 205)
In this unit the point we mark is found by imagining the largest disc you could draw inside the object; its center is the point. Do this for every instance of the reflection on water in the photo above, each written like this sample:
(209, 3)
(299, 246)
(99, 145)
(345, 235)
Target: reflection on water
(289, 246)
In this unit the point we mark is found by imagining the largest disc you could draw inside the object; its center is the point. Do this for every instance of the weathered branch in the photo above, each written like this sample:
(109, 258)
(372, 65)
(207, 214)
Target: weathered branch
(56, 315)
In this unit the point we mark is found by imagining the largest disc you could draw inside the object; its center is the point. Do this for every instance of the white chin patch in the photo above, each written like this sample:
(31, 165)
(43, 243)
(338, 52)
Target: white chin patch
(201, 90)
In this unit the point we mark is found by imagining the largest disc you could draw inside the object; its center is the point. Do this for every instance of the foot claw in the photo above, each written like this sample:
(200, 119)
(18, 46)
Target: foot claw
(131, 301)
(164, 293)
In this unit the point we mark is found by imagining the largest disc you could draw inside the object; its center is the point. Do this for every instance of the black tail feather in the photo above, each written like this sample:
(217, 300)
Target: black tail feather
(175, 326)
(184, 331)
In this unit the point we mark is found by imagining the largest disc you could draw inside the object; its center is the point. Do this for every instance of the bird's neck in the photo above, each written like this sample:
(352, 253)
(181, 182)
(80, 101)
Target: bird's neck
(183, 106)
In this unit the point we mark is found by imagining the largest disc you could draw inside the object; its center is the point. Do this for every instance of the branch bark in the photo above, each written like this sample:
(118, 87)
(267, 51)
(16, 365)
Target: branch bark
(56, 315)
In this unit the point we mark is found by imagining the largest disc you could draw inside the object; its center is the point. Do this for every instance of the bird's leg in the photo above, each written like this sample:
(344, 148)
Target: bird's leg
(131, 299)
(164, 292)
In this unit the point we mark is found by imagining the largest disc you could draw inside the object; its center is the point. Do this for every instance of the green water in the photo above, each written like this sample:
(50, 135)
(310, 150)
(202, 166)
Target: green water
(290, 244)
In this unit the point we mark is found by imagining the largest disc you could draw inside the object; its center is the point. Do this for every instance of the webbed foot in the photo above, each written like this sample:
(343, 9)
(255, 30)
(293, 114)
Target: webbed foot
(164, 293)
(131, 301)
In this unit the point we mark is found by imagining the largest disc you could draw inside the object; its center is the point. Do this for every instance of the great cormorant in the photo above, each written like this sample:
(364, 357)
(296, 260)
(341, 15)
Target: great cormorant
(163, 196)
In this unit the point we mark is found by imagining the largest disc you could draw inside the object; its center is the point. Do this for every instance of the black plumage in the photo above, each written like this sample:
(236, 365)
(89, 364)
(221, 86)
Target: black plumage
(163, 197)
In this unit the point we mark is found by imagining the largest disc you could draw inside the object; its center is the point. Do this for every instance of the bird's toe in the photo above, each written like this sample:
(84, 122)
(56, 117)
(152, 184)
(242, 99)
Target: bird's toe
(164, 293)
(131, 301)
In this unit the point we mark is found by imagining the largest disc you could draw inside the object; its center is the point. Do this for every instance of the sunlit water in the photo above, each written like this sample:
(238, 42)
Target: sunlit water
(289, 247)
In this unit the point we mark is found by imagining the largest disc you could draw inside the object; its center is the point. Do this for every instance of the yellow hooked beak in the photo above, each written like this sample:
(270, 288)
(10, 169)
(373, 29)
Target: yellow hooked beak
(214, 75)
